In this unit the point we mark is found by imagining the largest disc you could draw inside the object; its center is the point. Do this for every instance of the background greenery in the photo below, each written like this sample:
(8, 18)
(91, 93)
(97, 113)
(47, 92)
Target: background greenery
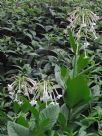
(33, 43)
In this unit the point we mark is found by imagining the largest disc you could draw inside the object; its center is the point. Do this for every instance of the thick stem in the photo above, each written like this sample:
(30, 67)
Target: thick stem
(75, 61)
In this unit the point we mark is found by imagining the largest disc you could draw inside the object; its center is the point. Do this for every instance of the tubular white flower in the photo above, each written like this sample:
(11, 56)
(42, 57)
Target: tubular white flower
(31, 90)
(45, 97)
(10, 87)
(33, 102)
(92, 29)
(11, 95)
(96, 17)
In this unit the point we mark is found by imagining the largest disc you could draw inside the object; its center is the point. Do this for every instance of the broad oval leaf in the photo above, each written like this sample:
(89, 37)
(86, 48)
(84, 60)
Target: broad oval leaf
(77, 91)
(15, 129)
(50, 114)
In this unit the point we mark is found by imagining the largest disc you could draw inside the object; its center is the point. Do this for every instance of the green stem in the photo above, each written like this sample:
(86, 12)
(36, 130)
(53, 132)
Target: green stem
(75, 68)
(75, 61)
(69, 119)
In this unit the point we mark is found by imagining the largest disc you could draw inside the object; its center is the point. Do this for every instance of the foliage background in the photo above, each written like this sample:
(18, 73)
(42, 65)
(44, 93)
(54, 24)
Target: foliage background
(32, 33)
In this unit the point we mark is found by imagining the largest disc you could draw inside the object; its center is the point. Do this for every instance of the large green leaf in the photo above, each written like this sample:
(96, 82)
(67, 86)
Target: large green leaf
(77, 91)
(50, 114)
(17, 130)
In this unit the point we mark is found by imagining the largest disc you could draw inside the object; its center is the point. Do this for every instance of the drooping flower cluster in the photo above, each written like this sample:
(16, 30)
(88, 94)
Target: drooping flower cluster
(82, 22)
(47, 92)
(43, 90)
(22, 85)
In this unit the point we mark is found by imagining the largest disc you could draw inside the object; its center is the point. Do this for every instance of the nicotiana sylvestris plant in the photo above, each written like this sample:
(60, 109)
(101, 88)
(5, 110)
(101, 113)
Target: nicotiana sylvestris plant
(44, 90)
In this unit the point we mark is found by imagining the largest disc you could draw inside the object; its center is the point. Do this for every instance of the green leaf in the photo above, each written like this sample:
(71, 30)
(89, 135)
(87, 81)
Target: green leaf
(77, 91)
(65, 112)
(62, 120)
(72, 42)
(50, 114)
(82, 63)
(43, 125)
(93, 134)
(25, 107)
(22, 121)
(17, 130)
(16, 107)
(61, 74)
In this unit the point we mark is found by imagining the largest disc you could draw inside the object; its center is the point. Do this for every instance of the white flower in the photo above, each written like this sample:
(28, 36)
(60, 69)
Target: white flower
(19, 91)
(10, 87)
(86, 44)
(45, 97)
(92, 29)
(83, 25)
(33, 102)
(31, 90)
(93, 24)
(20, 102)
(96, 17)
(11, 95)
(65, 31)
(22, 85)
